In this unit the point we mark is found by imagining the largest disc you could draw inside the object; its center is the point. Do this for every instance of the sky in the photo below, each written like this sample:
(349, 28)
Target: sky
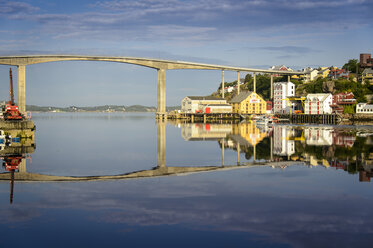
(251, 33)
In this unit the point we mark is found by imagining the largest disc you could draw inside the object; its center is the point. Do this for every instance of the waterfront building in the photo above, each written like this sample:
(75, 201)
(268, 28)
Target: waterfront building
(318, 104)
(283, 90)
(342, 99)
(364, 108)
(248, 102)
(196, 104)
(217, 108)
(367, 75)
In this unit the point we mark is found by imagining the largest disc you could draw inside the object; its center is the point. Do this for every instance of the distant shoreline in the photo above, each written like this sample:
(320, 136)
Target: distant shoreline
(97, 109)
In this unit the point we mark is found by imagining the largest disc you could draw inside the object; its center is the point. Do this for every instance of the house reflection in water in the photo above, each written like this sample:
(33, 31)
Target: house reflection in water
(201, 131)
(283, 141)
(239, 137)
(329, 147)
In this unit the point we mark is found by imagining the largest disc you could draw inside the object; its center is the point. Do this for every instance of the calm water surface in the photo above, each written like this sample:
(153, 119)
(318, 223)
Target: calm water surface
(105, 180)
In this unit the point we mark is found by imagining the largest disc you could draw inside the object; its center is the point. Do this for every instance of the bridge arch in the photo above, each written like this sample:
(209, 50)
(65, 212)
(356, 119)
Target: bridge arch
(160, 65)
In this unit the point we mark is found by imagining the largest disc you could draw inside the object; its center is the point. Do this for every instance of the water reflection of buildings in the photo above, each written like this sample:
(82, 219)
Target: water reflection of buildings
(325, 146)
(239, 137)
(283, 140)
(367, 172)
(318, 136)
(205, 131)
(248, 134)
(286, 136)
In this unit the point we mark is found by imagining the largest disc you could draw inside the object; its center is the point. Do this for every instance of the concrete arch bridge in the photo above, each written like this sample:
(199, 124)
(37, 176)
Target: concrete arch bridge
(160, 65)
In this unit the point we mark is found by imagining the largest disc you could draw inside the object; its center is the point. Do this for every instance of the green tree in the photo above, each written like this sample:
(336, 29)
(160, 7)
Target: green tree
(248, 78)
(348, 109)
(352, 65)
(263, 85)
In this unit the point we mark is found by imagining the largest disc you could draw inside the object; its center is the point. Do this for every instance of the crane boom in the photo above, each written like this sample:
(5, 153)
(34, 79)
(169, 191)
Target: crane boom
(11, 87)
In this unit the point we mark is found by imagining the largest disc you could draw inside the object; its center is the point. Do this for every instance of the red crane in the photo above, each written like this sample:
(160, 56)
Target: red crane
(10, 110)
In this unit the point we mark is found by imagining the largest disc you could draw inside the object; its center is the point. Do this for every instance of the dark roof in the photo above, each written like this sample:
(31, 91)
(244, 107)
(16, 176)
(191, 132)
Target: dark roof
(205, 98)
(219, 105)
(367, 70)
(242, 96)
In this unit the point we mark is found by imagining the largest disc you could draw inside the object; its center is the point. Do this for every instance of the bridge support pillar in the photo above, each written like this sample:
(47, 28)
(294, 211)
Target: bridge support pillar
(238, 83)
(288, 78)
(222, 83)
(161, 144)
(161, 94)
(272, 87)
(254, 90)
(21, 93)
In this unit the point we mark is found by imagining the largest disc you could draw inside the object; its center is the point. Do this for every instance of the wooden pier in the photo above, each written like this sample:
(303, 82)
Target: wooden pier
(316, 119)
(205, 118)
(19, 125)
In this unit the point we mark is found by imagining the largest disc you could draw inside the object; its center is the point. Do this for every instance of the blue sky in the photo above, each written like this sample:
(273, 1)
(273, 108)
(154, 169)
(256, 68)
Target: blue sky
(256, 33)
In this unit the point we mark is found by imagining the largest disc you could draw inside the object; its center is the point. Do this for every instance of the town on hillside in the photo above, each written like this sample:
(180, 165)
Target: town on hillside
(320, 91)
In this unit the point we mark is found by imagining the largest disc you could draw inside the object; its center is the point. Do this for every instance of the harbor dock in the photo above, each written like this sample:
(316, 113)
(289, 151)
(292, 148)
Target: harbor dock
(309, 118)
(203, 117)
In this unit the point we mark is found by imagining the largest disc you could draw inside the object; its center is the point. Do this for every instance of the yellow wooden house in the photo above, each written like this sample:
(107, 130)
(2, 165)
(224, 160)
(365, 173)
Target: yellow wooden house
(323, 73)
(248, 102)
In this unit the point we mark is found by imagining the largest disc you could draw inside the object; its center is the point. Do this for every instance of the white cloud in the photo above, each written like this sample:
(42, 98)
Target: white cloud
(12, 8)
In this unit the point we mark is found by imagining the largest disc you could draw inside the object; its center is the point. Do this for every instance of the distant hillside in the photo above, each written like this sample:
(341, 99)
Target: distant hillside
(104, 108)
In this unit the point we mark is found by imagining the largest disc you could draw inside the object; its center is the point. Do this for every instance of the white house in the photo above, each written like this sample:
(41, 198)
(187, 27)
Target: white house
(282, 90)
(311, 74)
(364, 108)
(229, 89)
(195, 104)
(318, 104)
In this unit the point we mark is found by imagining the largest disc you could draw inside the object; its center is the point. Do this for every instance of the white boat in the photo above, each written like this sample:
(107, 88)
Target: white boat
(267, 121)
(4, 139)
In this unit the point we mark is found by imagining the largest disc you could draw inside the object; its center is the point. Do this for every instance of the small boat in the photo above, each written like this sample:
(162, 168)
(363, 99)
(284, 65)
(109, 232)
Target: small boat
(4, 139)
(267, 121)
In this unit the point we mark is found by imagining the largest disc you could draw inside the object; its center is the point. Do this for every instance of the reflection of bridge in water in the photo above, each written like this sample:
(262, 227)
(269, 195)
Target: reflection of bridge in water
(156, 172)
(243, 137)
(240, 137)
(159, 171)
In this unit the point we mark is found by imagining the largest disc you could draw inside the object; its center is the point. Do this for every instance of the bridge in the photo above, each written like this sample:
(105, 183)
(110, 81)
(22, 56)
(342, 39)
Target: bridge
(160, 65)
